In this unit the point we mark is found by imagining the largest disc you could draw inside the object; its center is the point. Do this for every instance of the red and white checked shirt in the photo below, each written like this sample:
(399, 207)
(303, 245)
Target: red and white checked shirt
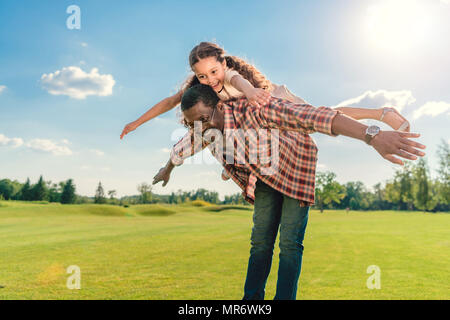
(288, 166)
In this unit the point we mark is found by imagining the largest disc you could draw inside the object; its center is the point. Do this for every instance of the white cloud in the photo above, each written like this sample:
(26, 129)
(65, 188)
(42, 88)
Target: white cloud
(75, 83)
(165, 150)
(432, 108)
(380, 99)
(84, 44)
(321, 166)
(46, 145)
(2, 88)
(10, 142)
(96, 169)
(445, 1)
(97, 152)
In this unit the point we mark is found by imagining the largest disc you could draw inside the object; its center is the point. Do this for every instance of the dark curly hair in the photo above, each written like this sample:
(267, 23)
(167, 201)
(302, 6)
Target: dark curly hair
(246, 70)
(196, 93)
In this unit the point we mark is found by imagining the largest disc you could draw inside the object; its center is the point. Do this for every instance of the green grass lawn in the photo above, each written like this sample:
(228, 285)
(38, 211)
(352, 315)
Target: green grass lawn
(201, 252)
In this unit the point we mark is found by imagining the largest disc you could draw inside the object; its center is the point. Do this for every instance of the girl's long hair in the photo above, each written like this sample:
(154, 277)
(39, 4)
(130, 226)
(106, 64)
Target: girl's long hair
(246, 70)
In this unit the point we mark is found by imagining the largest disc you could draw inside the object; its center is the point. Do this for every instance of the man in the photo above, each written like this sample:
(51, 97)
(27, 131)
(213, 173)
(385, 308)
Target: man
(282, 197)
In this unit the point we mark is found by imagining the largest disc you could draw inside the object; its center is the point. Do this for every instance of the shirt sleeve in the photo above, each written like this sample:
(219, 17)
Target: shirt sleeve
(189, 145)
(230, 73)
(305, 118)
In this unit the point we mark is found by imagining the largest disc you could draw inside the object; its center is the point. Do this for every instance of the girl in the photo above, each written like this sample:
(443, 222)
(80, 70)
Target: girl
(232, 77)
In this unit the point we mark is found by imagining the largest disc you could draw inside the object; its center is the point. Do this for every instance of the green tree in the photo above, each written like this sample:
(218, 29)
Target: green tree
(423, 196)
(112, 194)
(68, 194)
(379, 202)
(328, 190)
(54, 192)
(17, 187)
(443, 180)
(6, 189)
(392, 193)
(25, 192)
(100, 194)
(172, 198)
(354, 195)
(145, 190)
(406, 185)
(399, 191)
(39, 191)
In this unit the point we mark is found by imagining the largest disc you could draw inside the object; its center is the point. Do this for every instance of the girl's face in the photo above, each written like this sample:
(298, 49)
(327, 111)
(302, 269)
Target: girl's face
(211, 72)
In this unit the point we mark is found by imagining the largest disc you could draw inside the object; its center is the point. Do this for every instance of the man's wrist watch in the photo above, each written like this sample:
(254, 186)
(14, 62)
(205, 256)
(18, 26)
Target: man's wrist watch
(371, 132)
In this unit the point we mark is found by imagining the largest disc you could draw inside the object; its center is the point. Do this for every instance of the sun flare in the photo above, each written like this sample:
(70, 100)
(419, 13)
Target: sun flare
(397, 25)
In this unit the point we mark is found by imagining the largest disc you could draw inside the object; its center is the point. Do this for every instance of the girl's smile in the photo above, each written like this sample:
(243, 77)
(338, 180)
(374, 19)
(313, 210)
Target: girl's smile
(211, 72)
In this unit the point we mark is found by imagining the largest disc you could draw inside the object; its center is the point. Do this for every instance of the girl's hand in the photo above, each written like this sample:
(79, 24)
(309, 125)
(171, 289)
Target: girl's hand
(395, 120)
(258, 97)
(128, 128)
(162, 175)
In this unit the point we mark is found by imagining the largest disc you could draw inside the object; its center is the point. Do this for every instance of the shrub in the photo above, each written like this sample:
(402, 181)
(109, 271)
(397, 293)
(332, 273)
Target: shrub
(153, 210)
(199, 203)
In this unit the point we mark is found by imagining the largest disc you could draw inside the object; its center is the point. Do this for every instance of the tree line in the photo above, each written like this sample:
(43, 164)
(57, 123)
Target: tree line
(411, 188)
(65, 193)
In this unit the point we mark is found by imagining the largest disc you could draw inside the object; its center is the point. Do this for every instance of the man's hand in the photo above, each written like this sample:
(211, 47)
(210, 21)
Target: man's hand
(395, 143)
(162, 175)
(225, 175)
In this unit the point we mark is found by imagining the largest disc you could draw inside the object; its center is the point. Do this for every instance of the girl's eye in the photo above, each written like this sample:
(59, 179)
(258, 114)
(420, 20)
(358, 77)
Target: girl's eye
(200, 77)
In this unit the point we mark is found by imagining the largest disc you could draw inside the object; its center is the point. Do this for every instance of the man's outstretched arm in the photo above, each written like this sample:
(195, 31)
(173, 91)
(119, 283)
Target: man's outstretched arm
(388, 144)
(308, 119)
(189, 145)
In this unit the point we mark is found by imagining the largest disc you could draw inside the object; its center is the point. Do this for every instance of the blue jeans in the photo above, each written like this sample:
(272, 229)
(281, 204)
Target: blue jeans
(273, 210)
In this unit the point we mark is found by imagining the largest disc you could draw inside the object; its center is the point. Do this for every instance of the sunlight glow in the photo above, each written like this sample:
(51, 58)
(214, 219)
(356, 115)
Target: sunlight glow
(398, 25)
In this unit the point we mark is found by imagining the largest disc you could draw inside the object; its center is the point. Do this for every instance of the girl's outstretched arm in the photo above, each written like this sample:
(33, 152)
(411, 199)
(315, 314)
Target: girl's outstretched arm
(159, 108)
(390, 116)
(256, 96)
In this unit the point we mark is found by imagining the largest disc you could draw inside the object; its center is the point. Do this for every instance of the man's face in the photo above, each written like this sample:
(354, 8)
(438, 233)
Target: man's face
(211, 118)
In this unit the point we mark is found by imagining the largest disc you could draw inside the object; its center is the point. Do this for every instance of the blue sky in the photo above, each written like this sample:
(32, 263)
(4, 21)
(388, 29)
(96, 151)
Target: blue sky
(132, 55)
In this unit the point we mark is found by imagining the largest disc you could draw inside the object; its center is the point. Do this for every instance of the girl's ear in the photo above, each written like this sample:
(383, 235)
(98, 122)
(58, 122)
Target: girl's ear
(224, 63)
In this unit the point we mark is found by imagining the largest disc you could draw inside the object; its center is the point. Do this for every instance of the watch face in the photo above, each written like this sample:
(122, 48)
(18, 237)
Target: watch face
(373, 130)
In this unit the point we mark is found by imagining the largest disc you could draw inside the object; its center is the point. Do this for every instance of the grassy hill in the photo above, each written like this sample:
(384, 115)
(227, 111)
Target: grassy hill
(200, 252)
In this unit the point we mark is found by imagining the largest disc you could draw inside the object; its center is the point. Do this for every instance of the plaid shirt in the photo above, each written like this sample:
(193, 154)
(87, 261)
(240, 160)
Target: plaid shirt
(288, 165)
